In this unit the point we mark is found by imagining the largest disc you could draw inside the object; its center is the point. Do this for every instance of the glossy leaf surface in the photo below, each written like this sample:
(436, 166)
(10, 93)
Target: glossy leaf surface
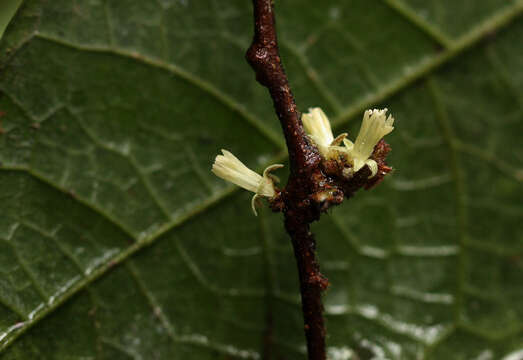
(117, 242)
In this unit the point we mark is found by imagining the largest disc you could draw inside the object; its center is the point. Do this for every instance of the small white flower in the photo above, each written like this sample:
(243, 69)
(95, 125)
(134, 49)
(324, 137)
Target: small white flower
(374, 127)
(230, 168)
(318, 126)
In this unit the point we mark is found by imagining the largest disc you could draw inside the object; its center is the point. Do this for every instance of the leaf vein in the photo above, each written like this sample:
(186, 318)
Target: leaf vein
(410, 15)
(179, 72)
(430, 64)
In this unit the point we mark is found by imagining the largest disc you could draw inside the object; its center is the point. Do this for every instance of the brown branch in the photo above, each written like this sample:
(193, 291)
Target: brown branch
(314, 184)
(263, 56)
(298, 197)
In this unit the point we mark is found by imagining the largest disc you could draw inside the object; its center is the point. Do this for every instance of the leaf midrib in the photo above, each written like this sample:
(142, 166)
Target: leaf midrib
(463, 43)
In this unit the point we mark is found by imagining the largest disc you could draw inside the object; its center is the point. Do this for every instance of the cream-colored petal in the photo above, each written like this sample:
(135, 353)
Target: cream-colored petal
(318, 126)
(373, 166)
(339, 139)
(349, 145)
(374, 127)
(358, 163)
(230, 168)
(254, 202)
(271, 168)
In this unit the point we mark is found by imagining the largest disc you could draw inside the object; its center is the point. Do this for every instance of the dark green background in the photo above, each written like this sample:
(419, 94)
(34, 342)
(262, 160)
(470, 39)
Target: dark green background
(117, 242)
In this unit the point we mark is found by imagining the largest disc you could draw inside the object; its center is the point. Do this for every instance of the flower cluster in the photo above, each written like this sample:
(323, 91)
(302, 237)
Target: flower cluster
(352, 156)
(374, 127)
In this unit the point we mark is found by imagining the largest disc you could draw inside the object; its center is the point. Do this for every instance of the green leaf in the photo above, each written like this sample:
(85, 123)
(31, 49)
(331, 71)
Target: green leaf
(7, 11)
(117, 242)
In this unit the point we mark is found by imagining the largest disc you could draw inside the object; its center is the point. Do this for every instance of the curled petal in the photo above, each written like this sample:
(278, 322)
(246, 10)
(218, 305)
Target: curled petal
(339, 139)
(349, 145)
(373, 166)
(255, 201)
(271, 168)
